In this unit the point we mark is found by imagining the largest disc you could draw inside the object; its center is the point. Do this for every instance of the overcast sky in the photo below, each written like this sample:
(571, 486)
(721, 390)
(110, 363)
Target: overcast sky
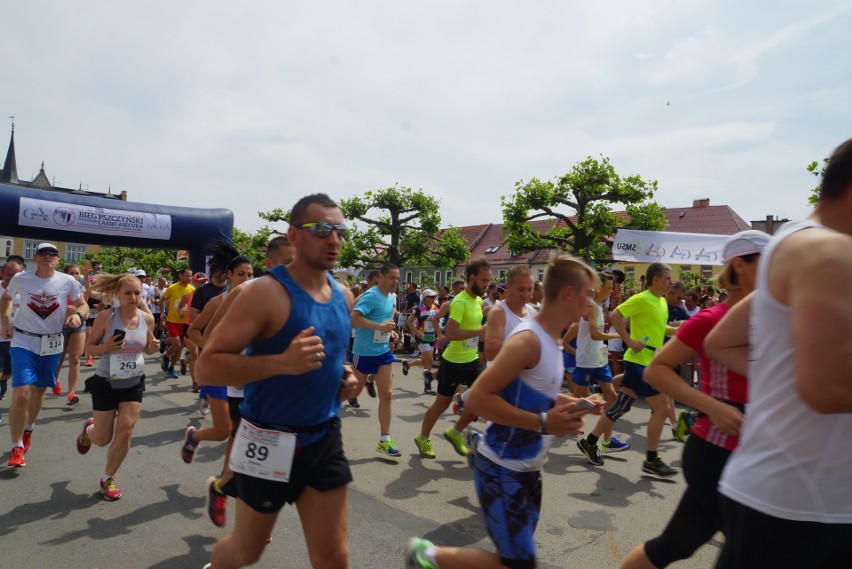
(251, 105)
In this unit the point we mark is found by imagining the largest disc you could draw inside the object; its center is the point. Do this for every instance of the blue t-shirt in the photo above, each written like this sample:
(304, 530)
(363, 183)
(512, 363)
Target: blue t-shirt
(378, 307)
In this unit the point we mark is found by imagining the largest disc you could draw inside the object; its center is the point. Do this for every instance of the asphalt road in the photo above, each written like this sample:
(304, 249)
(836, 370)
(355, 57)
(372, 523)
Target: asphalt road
(52, 516)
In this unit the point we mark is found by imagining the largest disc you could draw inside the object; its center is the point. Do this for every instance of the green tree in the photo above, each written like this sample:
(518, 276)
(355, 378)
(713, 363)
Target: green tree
(117, 260)
(814, 169)
(578, 207)
(253, 245)
(691, 279)
(396, 225)
(121, 259)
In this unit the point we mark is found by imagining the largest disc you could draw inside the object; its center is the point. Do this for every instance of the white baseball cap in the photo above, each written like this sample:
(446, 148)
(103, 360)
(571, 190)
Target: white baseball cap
(744, 243)
(46, 246)
(430, 292)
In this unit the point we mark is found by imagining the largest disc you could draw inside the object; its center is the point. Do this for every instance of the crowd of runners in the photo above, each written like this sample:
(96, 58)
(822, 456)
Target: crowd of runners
(767, 400)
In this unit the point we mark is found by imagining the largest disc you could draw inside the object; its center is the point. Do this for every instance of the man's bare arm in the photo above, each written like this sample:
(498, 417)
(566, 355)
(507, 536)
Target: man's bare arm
(727, 343)
(257, 314)
(495, 329)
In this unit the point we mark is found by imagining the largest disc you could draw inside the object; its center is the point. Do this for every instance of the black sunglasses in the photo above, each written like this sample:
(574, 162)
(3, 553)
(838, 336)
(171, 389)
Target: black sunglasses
(322, 229)
(48, 253)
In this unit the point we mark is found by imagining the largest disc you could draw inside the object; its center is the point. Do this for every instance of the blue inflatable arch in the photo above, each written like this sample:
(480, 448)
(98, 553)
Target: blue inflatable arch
(48, 215)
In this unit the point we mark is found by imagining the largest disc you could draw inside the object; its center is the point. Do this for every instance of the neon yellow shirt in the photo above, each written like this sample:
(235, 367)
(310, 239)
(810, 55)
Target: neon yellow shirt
(173, 295)
(649, 316)
(465, 310)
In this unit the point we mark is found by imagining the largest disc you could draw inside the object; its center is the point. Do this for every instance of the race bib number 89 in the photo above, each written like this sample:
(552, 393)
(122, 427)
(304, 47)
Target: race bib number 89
(263, 453)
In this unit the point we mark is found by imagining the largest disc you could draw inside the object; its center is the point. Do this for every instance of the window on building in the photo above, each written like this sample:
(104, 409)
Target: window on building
(686, 268)
(74, 252)
(10, 246)
(409, 276)
(540, 277)
(421, 277)
(493, 249)
(437, 278)
(630, 272)
(706, 271)
(30, 249)
(502, 276)
(449, 278)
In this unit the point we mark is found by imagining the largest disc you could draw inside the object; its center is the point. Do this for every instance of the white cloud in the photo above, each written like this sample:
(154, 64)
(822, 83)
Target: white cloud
(249, 106)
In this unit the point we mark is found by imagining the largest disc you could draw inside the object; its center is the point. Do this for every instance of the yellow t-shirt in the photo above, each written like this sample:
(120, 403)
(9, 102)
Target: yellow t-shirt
(173, 295)
(466, 310)
(649, 316)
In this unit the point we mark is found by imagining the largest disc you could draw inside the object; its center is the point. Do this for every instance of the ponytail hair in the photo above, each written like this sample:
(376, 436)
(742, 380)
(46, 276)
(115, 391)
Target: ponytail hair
(107, 286)
(223, 258)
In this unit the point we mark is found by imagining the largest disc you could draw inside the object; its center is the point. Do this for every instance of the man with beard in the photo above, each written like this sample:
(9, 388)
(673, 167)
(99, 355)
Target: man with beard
(285, 342)
(460, 365)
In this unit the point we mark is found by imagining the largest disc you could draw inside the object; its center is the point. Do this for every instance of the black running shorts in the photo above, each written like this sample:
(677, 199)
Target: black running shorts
(321, 465)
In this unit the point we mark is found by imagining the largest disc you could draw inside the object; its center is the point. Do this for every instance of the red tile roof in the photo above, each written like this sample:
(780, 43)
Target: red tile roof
(493, 238)
(472, 233)
(718, 219)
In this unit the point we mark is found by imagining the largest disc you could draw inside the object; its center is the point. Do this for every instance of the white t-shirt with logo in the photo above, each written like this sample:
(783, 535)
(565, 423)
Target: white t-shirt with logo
(43, 303)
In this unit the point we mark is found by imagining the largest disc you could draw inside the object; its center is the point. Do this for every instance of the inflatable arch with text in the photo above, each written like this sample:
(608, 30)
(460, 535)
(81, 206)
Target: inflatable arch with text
(48, 215)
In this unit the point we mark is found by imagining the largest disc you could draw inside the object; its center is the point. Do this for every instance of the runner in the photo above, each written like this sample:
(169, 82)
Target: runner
(460, 364)
(278, 252)
(788, 480)
(229, 267)
(10, 268)
(420, 324)
(170, 304)
(205, 291)
(190, 353)
(74, 343)
(519, 393)
(439, 320)
(90, 271)
(374, 326)
(120, 336)
(503, 318)
(157, 312)
(592, 358)
(294, 327)
(648, 314)
(36, 339)
(721, 401)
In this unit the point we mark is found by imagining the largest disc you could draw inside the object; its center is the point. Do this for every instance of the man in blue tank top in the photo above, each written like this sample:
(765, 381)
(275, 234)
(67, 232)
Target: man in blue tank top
(520, 394)
(285, 344)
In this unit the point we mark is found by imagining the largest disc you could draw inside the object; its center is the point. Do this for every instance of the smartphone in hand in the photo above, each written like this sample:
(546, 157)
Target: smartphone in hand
(119, 336)
(584, 403)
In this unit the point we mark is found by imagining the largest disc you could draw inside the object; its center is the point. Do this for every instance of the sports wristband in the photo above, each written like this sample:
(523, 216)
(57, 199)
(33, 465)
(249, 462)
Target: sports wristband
(542, 422)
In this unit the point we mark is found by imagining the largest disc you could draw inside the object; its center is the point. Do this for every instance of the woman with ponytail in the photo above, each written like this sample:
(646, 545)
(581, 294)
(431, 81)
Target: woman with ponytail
(120, 335)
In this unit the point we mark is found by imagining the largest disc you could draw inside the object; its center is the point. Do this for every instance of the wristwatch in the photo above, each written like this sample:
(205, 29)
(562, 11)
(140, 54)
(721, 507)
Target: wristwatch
(542, 422)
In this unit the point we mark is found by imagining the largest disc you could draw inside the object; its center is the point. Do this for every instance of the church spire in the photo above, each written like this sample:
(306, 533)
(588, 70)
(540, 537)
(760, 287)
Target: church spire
(10, 167)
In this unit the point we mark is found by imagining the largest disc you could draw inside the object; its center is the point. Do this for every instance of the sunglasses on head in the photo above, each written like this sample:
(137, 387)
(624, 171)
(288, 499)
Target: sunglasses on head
(322, 229)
